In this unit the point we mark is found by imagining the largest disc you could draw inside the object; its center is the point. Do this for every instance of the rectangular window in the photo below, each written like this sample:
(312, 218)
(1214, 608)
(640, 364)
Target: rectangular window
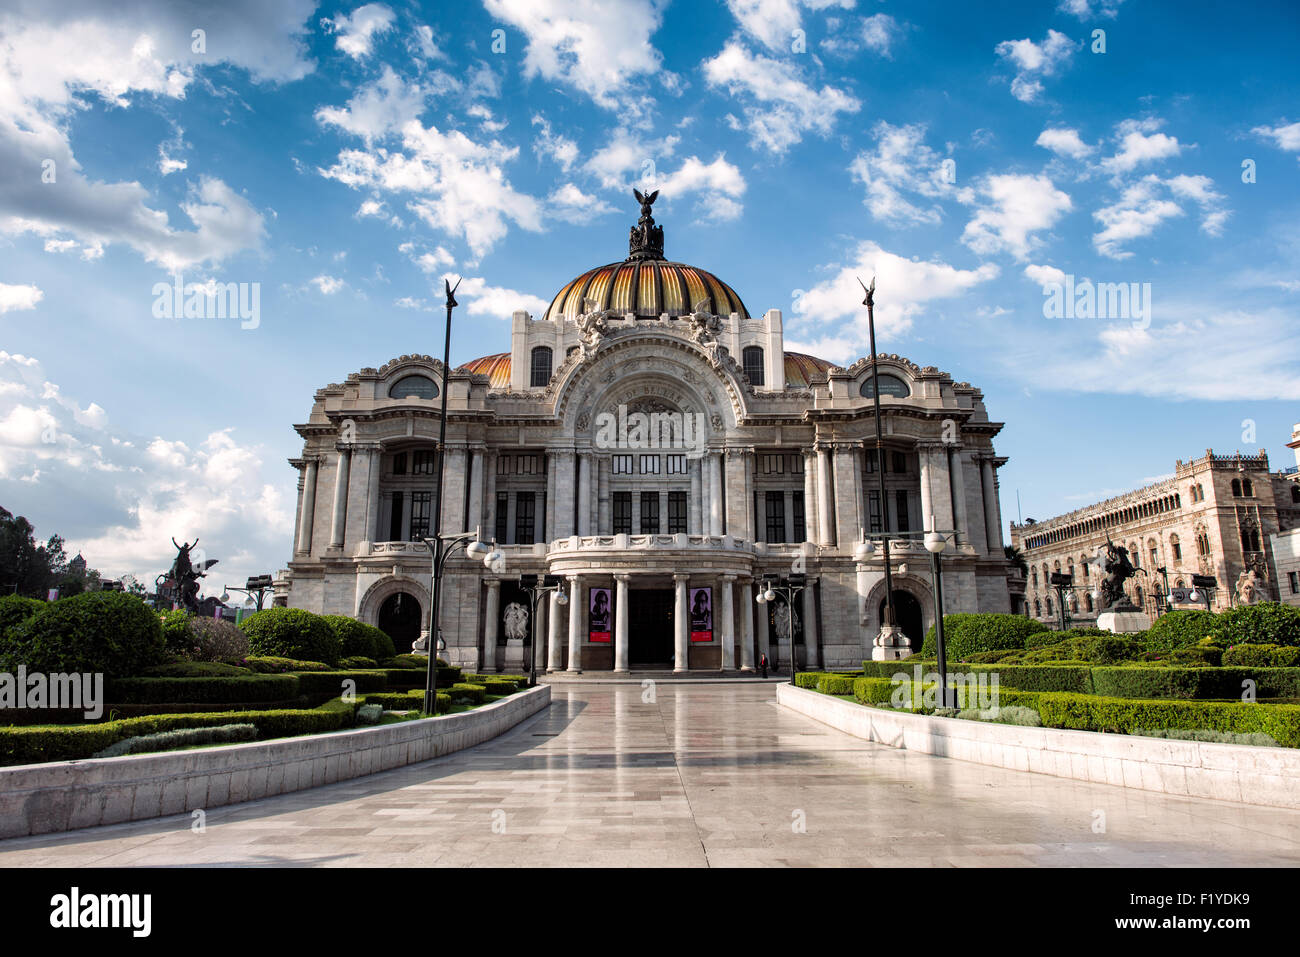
(800, 526)
(900, 499)
(774, 508)
(1155, 558)
(676, 464)
(773, 464)
(421, 509)
(650, 513)
(525, 518)
(649, 465)
(796, 464)
(871, 461)
(1294, 579)
(503, 517)
(622, 512)
(395, 521)
(1178, 551)
(399, 463)
(900, 462)
(503, 465)
(423, 461)
(873, 510)
(525, 464)
(622, 464)
(676, 513)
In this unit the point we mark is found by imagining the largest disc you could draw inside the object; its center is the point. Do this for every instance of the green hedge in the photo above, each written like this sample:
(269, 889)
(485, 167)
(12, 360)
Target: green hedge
(1266, 623)
(966, 634)
(292, 633)
(465, 692)
(331, 682)
(835, 684)
(186, 738)
(274, 665)
(408, 702)
(40, 743)
(14, 610)
(193, 669)
(1262, 656)
(1176, 629)
(224, 689)
(108, 632)
(356, 638)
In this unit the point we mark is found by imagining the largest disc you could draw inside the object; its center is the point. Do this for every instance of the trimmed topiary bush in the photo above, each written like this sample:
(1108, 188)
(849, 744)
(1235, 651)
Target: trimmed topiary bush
(194, 669)
(187, 738)
(292, 633)
(272, 665)
(1177, 629)
(14, 610)
(1267, 623)
(108, 632)
(358, 662)
(359, 640)
(176, 630)
(966, 634)
(1262, 656)
(215, 639)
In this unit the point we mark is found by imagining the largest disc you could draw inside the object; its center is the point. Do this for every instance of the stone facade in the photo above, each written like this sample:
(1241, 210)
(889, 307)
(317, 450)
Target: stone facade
(749, 470)
(1218, 515)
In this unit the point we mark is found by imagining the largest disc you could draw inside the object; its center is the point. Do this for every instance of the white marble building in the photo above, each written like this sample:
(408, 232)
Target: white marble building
(647, 439)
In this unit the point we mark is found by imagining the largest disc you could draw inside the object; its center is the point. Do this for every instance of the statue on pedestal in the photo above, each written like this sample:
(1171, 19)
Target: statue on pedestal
(1118, 570)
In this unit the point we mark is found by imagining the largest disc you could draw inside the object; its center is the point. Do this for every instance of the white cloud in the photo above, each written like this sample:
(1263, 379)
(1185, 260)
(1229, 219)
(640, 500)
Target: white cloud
(905, 289)
(876, 33)
(1016, 207)
(1034, 62)
(327, 285)
(480, 299)
(1090, 9)
(784, 107)
(720, 182)
(571, 205)
(1139, 144)
(1064, 142)
(1043, 275)
(59, 59)
(13, 298)
(1284, 137)
(626, 153)
(429, 262)
(597, 49)
(456, 184)
(383, 106)
(903, 163)
(356, 33)
(1145, 205)
(554, 146)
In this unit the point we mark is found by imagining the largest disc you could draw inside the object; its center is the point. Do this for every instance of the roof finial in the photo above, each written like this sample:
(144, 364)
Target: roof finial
(645, 240)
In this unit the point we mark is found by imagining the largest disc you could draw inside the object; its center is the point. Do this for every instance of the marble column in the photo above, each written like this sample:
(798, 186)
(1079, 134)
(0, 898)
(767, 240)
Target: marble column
(555, 659)
(340, 497)
(810, 517)
(957, 476)
(681, 624)
(923, 456)
(620, 622)
(695, 506)
(812, 656)
(747, 626)
(604, 518)
(992, 529)
(491, 618)
(490, 496)
(306, 519)
(713, 462)
(577, 601)
(549, 511)
(475, 517)
(848, 495)
(824, 496)
(585, 498)
(725, 623)
(372, 496)
(564, 511)
(764, 630)
(541, 632)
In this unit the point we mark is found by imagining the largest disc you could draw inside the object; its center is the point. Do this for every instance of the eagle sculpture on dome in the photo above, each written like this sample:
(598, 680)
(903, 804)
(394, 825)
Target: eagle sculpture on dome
(645, 239)
(646, 202)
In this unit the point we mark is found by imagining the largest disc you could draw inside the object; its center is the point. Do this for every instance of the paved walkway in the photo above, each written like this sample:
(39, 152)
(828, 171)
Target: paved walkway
(705, 775)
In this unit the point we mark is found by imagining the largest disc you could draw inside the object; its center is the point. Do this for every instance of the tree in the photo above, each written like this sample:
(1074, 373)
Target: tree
(27, 568)
(1014, 556)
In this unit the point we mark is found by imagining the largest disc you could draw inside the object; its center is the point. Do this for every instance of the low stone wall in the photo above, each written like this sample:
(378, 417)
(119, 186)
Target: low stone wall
(66, 795)
(1225, 772)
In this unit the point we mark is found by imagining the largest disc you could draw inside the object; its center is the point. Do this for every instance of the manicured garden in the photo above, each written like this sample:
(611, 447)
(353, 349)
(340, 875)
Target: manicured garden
(172, 680)
(1232, 676)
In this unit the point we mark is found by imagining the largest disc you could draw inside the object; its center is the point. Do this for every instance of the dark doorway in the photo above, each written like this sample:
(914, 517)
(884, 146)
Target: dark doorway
(400, 619)
(907, 616)
(650, 627)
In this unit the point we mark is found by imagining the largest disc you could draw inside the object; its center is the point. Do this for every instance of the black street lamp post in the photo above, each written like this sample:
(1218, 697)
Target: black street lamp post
(787, 587)
(870, 302)
(538, 587)
(935, 542)
(474, 548)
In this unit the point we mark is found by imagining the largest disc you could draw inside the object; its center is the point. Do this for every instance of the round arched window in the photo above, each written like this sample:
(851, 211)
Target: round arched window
(889, 385)
(413, 387)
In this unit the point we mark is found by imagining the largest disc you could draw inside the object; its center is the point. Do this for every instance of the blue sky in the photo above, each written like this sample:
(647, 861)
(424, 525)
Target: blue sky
(346, 157)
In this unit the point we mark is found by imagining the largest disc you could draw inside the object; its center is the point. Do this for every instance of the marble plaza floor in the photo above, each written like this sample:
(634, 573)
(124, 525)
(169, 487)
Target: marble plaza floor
(703, 775)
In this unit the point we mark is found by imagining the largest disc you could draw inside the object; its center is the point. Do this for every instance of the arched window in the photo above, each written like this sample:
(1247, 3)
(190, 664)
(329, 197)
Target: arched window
(1247, 488)
(1049, 608)
(1033, 575)
(1236, 488)
(413, 387)
(752, 359)
(1295, 493)
(1087, 600)
(889, 385)
(1134, 555)
(1176, 548)
(541, 368)
(1038, 609)
(1140, 601)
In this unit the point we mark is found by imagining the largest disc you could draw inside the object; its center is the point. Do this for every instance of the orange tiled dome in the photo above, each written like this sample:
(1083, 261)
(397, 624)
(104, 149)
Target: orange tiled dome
(647, 288)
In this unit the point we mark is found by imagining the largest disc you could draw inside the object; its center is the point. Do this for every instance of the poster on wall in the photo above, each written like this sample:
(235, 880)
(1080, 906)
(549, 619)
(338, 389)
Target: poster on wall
(598, 615)
(701, 614)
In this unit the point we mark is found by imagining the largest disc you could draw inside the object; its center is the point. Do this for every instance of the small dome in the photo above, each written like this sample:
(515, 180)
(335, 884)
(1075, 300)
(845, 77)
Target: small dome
(496, 367)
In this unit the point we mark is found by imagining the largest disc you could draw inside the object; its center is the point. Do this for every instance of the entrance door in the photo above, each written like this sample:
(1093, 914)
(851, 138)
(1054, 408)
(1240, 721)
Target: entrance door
(907, 616)
(400, 619)
(650, 627)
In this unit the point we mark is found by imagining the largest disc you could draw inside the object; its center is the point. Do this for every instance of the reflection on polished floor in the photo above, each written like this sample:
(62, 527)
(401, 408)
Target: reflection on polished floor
(695, 774)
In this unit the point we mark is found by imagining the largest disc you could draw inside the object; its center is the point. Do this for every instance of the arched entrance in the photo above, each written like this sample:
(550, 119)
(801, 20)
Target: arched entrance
(907, 616)
(401, 619)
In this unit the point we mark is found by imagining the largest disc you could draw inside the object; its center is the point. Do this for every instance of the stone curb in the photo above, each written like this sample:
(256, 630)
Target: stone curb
(1224, 772)
(67, 795)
